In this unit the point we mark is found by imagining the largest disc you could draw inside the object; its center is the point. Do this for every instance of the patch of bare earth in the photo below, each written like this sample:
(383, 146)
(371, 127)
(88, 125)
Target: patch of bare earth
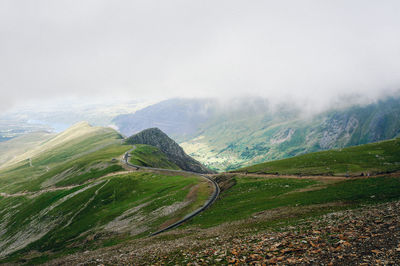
(192, 195)
(130, 221)
(190, 198)
(365, 236)
(370, 235)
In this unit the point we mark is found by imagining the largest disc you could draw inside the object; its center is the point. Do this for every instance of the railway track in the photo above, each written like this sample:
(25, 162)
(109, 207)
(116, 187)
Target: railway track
(207, 204)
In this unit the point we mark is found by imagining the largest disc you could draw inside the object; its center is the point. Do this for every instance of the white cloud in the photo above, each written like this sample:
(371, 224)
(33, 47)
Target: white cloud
(310, 51)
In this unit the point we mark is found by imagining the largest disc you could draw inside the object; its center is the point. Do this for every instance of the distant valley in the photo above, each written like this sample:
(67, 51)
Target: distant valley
(251, 131)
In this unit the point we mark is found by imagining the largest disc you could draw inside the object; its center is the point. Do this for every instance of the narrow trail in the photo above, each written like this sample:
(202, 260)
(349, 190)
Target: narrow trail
(51, 189)
(86, 204)
(39, 192)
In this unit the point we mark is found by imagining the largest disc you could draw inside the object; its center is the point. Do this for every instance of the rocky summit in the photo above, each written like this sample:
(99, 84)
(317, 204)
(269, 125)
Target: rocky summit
(155, 137)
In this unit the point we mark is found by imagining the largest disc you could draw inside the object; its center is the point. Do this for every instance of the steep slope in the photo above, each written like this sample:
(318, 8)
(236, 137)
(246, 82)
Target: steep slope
(99, 213)
(155, 137)
(238, 141)
(373, 158)
(150, 156)
(248, 131)
(72, 193)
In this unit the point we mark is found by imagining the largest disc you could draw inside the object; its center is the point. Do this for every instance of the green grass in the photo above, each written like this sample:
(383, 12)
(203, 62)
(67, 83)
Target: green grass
(92, 174)
(75, 163)
(29, 209)
(380, 157)
(72, 162)
(248, 196)
(117, 196)
(90, 210)
(77, 217)
(150, 156)
(252, 195)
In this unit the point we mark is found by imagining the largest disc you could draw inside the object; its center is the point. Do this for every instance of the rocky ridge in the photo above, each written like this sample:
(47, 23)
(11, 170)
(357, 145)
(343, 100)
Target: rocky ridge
(155, 137)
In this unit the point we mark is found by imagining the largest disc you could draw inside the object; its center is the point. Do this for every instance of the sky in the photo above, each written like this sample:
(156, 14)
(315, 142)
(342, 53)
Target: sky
(312, 52)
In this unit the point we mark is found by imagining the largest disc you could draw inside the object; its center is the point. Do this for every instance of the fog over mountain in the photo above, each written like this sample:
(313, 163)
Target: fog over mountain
(312, 52)
(254, 132)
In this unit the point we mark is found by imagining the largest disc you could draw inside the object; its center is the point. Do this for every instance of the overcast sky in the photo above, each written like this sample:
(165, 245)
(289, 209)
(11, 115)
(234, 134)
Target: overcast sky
(310, 51)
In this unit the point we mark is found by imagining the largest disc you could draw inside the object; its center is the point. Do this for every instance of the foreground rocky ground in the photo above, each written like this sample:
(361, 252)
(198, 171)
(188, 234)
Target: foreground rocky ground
(365, 236)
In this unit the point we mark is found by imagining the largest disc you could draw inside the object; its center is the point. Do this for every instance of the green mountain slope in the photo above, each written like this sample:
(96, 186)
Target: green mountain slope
(86, 200)
(237, 139)
(72, 193)
(96, 214)
(373, 158)
(252, 130)
(150, 156)
(75, 155)
(262, 203)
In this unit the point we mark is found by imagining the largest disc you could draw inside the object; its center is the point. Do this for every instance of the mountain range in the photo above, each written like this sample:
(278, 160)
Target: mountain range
(249, 131)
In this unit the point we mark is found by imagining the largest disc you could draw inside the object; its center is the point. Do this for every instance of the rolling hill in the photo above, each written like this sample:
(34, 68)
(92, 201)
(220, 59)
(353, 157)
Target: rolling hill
(73, 193)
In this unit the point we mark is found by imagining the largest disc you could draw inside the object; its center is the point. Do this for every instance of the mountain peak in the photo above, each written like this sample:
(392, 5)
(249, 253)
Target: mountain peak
(152, 130)
(155, 137)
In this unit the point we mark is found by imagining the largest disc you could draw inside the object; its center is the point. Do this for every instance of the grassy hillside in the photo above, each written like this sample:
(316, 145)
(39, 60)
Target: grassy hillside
(241, 136)
(150, 156)
(72, 193)
(97, 214)
(284, 199)
(380, 157)
(72, 157)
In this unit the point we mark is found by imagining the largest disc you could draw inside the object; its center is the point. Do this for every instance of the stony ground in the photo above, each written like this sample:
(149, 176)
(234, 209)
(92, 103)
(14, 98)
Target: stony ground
(365, 236)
